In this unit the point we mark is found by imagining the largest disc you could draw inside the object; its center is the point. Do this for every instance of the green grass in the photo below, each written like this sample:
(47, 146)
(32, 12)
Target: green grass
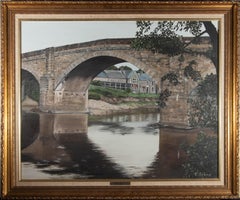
(106, 92)
(143, 95)
(96, 92)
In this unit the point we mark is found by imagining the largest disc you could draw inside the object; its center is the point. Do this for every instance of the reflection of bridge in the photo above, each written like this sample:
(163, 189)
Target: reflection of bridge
(64, 73)
(69, 152)
(72, 152)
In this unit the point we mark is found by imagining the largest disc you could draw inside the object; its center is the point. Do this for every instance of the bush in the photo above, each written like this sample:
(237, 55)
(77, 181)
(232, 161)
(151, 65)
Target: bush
(107, 93)
(98, 83)
(202, 158)
(204, 103)
(128, 90)
(94, 96)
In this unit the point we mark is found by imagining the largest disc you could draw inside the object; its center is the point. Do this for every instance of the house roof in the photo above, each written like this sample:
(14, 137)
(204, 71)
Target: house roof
(144, 77)
(127, 73)
(130, 74)
(114, 74)
(102, 75)
(123, 74)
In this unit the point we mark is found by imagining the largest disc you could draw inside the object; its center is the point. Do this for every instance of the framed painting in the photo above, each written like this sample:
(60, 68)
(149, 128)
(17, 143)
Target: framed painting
(119, 100)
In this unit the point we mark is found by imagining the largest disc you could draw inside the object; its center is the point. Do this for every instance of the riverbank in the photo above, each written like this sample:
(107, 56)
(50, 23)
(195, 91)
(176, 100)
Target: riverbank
(100, 107)
(106, 101)
(107, 106)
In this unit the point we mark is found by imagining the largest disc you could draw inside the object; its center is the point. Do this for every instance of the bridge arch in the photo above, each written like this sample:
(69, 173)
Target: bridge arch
(33, 72)
(122, 57)
(30, 85)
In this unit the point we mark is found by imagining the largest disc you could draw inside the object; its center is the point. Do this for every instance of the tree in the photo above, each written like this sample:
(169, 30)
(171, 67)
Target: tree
(139, 71)
(165, 37)
(125, 68)
(202, 156)
(203, 110)
(113, 67)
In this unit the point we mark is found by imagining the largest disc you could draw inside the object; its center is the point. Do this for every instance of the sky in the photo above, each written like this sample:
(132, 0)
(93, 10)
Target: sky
(41, 34)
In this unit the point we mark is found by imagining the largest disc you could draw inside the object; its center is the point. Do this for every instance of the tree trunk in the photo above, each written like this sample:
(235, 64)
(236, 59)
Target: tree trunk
(213, 34)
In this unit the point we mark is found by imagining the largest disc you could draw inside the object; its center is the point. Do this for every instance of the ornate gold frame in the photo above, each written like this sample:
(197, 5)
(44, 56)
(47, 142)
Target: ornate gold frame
(12, 188)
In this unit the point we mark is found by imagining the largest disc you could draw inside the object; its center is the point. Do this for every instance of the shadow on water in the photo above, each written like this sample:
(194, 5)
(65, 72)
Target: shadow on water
(30, 128)
(88, 159)
(168, 160)
(114, 127)
(57, 153)
(150, 130)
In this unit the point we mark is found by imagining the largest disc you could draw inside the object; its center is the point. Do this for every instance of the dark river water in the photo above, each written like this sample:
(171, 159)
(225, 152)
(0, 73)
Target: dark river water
(87, 147)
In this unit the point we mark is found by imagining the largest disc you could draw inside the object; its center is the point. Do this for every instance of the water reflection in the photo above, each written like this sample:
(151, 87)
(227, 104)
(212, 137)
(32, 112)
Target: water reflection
(168, 161)
(82, 147)
(124, 140)
(30, 128)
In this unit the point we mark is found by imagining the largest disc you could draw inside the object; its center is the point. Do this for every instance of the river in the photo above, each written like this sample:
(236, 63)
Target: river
(110, 147)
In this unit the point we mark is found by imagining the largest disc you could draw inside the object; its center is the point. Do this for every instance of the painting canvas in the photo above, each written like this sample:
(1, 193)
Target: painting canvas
(114, 99)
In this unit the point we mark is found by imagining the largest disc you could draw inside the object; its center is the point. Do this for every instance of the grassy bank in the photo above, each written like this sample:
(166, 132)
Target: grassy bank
(98, 93)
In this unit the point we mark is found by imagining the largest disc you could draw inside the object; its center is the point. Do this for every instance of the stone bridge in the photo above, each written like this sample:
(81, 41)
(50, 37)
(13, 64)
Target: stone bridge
(64, 73)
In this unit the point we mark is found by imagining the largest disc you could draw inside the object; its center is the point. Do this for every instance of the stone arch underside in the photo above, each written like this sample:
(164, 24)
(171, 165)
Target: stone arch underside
(118, 56)
(30, 87)
(33, 72)
(81, 76)
(71, 92)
